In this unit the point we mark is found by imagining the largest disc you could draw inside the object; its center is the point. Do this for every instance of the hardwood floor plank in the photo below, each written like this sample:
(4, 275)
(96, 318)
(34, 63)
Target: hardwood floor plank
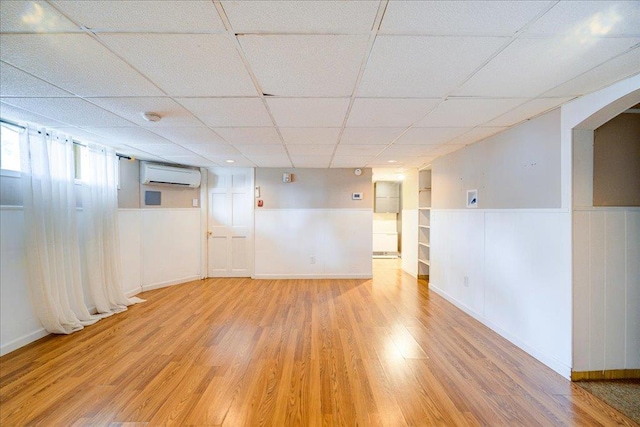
(381, 352)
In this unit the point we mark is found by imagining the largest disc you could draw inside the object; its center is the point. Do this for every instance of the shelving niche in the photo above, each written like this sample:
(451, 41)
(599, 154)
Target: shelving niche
(424, 223)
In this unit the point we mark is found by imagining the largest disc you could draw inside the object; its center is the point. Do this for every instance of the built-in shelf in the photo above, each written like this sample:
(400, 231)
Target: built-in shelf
(424, 223)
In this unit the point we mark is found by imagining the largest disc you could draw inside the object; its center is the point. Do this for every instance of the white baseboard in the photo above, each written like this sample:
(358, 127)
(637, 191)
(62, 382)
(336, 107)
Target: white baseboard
(153, 286)
(312, 276)
(22, 341)
(133, 293)
(551, 362)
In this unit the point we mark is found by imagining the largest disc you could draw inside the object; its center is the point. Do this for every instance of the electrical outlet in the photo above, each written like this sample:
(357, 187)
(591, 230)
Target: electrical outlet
(466, 281)
(194, 203)
(312, 260)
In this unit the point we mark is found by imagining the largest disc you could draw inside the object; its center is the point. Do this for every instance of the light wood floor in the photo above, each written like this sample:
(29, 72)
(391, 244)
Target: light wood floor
(290, 352)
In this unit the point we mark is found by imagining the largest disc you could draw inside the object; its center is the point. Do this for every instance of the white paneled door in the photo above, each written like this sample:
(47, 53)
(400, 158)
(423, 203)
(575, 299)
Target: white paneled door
(230, 231)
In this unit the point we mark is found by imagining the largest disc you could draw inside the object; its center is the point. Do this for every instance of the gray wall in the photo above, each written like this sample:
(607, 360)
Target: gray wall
(132, 192)
(518, 168)
(314, 188)
(616, 162)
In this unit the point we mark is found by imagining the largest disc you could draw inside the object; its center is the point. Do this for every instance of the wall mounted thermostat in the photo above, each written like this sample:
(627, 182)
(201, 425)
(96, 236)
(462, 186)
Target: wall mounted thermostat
(358, 172)
(356, 196)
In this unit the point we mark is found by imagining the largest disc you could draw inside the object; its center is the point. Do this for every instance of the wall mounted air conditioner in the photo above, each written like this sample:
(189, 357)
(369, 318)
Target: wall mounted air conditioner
(152, 173)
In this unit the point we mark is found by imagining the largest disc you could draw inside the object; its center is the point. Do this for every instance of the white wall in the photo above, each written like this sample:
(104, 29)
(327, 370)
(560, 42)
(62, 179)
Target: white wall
(158, 248)
(606, 269)
(18, 324)
(339, 240)
(508, 263)
(410, 222)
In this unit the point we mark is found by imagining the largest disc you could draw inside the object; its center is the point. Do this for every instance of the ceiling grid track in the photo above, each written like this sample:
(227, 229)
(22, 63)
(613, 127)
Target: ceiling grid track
(382, 7)
(234, 38)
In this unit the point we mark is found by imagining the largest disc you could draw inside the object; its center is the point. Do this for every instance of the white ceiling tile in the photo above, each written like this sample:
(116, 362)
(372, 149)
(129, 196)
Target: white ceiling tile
(475, 135)
(32, 17)
(431, 135)
(422, 66)
(20, 115)
(359, 150)
(447, 148)
(344, 17)
(408, 150)
(76, 63)
(459, 17)
(590, 18)
(186, 64)
(351, 161)
(208, 150)
(85, 136)
(138, 154)
(603, 75)
(311, 161)
(128, 135)
(172, 114)
(228, 112)
(463, 112)
(257, 135)
(363, 136)
(309, 150)
(277, 161)
(144, 16)
(526, 111)
(261, 150)
(14, 82)
(400, 161)
(309, 65)
(368, 112)
(239, 161)
(189, 135)
(310, 135)
(162, 150)
(191, 160)
(308, 112)
(529, 67)
(74, 111)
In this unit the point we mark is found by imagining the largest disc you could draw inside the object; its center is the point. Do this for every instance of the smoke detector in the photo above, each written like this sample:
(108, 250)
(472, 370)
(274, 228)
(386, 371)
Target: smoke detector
(151, 117)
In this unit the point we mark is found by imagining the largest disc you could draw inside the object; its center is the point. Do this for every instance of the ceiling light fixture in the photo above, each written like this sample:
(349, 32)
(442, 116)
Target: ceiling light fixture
(392, 161)
(151, 117)
(230, 161)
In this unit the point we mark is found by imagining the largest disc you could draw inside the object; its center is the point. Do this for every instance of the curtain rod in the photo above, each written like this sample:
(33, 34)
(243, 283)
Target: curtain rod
(19, 126)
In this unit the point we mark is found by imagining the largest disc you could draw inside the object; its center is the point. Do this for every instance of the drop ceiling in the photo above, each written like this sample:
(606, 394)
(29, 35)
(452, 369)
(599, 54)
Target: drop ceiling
(304, 84)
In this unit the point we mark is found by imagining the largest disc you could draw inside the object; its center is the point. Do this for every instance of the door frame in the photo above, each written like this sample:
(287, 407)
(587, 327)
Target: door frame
(204, 220)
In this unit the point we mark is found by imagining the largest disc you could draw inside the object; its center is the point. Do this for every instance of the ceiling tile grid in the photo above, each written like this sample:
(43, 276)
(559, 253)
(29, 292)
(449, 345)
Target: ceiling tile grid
(185, 65)
(186, 16)
(317, 83)
(422, 66)
(76, 63)
(308, 17)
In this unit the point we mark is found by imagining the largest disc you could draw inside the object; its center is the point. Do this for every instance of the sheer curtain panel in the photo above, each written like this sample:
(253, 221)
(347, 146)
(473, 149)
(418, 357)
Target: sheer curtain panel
(101, 238)
(51, 232)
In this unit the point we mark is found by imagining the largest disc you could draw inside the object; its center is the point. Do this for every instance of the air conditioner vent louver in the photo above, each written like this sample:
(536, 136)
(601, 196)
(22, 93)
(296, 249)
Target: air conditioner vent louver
(156, 174)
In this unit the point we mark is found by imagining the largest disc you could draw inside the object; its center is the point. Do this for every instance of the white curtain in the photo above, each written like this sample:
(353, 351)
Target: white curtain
(101, 239)
(52, 248)
(54, 258)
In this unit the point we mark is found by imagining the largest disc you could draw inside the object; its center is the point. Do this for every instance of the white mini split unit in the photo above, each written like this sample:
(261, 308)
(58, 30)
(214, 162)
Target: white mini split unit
(152, 173)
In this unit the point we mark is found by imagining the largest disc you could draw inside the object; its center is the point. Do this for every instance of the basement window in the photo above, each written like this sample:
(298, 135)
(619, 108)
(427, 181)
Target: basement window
(9, 150)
